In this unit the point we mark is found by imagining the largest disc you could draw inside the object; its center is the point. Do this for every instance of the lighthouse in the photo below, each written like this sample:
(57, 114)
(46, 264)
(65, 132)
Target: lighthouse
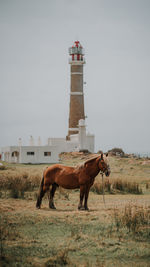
(76, 110)
(77, 139)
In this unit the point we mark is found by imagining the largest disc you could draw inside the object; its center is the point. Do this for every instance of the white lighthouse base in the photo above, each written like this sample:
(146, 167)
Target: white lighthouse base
(77, 142)
(49, 153)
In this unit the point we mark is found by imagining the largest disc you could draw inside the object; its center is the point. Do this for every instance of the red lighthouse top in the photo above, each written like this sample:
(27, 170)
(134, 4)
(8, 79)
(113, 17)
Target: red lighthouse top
(77, 44)
(76, 52)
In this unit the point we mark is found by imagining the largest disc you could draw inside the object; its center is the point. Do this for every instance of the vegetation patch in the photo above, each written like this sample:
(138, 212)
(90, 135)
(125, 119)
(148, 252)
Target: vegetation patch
(116, 186)
(135, 219)
(81, 240)
(17, 183)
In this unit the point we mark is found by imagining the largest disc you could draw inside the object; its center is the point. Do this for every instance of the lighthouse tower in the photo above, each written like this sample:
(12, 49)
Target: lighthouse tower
(76, 111)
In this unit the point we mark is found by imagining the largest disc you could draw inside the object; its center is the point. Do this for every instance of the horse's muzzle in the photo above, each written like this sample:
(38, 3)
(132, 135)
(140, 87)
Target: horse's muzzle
(107, 172)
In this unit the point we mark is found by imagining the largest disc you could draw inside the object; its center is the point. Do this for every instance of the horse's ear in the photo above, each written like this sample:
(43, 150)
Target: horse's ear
(102, 156)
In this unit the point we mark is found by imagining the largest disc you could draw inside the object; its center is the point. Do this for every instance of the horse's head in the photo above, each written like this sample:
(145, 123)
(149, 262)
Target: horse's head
(103, 164)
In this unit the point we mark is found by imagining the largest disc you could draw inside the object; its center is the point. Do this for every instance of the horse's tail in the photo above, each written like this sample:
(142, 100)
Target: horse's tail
(40, 194)
(42, 183)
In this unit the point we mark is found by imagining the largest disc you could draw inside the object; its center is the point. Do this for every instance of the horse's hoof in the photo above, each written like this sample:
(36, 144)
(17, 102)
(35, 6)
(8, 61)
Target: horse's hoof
(37, 207)
(52, 207)
(81, 208)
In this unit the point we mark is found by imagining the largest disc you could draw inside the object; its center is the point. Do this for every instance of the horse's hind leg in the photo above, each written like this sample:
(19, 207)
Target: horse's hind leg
(52, 193)
(39, 198)
(41, 194)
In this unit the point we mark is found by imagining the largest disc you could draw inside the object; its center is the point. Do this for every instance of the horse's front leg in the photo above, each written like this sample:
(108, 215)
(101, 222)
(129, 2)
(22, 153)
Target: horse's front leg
(86, 197)
(82, 193)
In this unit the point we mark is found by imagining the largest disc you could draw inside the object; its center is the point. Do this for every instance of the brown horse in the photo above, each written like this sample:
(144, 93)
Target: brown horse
(81, 176)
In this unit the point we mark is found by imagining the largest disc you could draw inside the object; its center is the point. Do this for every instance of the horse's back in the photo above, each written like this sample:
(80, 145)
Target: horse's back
(64, 176)
(51, 170)
(57, 168)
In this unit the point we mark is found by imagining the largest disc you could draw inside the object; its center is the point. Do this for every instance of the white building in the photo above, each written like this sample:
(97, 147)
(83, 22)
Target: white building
(50, 152)
(30, 154)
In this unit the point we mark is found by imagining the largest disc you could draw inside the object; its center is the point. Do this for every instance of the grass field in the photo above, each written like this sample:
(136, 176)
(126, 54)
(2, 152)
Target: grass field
(117, 234)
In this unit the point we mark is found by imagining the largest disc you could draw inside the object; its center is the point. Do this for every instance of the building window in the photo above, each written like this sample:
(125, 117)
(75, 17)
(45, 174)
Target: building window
(30, 153)
(47, 154)
(15, 154)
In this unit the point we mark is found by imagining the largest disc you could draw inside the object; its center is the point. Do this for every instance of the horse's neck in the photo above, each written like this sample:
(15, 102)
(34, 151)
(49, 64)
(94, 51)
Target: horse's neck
(93, 170)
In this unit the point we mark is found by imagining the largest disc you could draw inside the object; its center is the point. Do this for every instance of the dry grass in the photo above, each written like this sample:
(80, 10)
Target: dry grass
(17, 181)
(116, 186)
(128, 175)
(135, 218)
(74, 238)
(58, 259)
(126, 186)
(69, 239)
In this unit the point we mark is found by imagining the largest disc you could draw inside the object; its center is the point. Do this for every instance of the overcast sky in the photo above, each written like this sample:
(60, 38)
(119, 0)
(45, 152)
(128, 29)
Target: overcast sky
(35, 75)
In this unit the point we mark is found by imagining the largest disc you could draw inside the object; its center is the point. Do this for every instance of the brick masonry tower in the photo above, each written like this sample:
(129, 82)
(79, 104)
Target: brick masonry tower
(76, 111)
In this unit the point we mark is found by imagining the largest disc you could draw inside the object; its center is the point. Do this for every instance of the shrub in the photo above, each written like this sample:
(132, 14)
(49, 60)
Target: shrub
(127, 187)
(114, 186)
(135, 218)
(2, 167)
(18, 184)
(117, 152)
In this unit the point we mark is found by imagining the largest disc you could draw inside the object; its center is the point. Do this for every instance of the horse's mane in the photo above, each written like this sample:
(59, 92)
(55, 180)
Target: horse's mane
(82, 165)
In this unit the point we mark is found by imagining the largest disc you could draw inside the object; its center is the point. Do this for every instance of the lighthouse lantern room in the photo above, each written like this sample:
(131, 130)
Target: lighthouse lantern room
(76, 52)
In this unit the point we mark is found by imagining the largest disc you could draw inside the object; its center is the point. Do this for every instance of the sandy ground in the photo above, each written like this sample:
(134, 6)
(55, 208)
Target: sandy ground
(69, 207)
